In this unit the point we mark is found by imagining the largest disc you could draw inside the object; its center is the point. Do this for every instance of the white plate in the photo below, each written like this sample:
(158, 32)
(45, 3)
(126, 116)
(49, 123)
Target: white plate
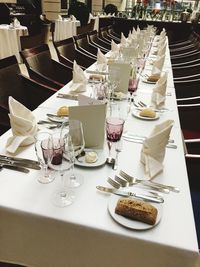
(135, 113)
(146, 81)
(129, 223)
(101, 153)
(57, 119)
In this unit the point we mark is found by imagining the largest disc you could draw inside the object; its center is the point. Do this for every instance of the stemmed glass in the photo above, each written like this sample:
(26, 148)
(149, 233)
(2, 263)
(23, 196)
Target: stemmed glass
(114, 81)
(61, 152)
(114, 129)
(43, 152)
(77, 144)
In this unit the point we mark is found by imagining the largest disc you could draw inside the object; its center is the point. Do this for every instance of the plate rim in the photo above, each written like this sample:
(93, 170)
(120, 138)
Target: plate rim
(144, 118)
(126, 222)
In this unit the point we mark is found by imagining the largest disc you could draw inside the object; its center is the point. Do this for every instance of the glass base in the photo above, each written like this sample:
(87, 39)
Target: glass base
(63, 198)
(46, 178)
(75, 180)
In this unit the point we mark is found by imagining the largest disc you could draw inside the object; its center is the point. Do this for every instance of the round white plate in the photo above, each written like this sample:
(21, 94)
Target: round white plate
(57, 118)
(101, 154)
(129, 223)
(146, 81)
(135, 113)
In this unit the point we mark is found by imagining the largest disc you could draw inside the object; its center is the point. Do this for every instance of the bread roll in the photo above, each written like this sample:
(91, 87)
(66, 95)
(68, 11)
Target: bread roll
(147, 112)
(96, 77)
(63, 111)
(137, 210)
(153, 78)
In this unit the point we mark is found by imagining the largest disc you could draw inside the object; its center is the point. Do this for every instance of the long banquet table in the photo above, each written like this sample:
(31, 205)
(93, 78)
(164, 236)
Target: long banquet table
(34, 232)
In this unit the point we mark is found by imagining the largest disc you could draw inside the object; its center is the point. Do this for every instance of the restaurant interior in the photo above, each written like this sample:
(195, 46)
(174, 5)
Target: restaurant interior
(113, 85)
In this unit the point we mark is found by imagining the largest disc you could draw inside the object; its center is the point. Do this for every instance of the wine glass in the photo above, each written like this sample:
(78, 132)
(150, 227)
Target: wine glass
(77, 145)
(43, 152)
(114, 129)
(114, 82)
(61, 150)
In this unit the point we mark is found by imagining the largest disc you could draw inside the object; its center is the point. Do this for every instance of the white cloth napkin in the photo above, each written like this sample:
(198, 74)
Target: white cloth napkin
(153, 150)
(90, 17)
(101, 59)
(73, 18)
(79, 80)
(60, 17)
(23, 125)
(158, 65)
(159, 92)
(16, 23)
(123, 41)
(114, 47)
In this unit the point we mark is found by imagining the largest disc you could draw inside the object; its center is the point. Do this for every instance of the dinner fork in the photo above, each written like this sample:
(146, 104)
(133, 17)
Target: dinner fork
(132, 179)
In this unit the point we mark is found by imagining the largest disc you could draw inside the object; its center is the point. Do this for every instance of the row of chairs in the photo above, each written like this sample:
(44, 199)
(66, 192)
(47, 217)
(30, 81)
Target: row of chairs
(185, 58)
(46, 75)
(82, 48)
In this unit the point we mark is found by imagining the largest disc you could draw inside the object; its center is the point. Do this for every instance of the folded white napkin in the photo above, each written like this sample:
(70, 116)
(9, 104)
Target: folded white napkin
(114, 47)
(159, 92)
(163, 33)
(123, 41)
(101, 59)
(153, 150)
(79, 80)
(162, 50)
(16, 23)
(23, 125)
(73, 18)
(90, 17)
(59, 17)
(158, 65)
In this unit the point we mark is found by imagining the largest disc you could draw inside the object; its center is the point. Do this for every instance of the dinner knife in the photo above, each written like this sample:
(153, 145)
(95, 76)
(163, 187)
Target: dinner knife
(17, 159)
(130, 194)
(20, 164)
(140, 141)
(13, 167)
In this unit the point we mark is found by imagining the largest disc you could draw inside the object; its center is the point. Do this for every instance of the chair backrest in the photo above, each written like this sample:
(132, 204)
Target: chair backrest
(81, 41)
(187, 88)
(182, 71)
(65, 48)
(37, 39)
(39, 59)
(86, 28)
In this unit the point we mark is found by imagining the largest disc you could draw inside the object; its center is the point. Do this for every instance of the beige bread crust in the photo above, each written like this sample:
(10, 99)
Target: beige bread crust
(137, 210)
(153, 78)
(147, 112)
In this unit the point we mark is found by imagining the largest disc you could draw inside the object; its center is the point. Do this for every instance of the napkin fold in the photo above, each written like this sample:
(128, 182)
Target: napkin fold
(159, 92)
(153, 150)
(114, 47)
(60, 17)
(123, 41)
(79, 80)
(73, 18)
(16, 23)
(23, 125)
(101, 59)
(158, 65)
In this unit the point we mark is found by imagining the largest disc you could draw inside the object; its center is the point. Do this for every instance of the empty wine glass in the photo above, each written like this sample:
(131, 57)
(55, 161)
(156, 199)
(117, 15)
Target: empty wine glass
(114, 129)
(43, 152)
(61, 150)
(77, 145)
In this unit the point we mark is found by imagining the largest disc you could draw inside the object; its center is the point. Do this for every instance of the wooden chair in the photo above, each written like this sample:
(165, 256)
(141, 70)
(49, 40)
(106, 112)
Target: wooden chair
(103, 35)
(27, 91)
(186, 63)
(95, 41)
(184, 71)
(42, 68)
(67, 53)
(187, 41)
(37, 39)
(185, 57)
(115, 36)
(82, 44)
(192, 158)
(86, 28)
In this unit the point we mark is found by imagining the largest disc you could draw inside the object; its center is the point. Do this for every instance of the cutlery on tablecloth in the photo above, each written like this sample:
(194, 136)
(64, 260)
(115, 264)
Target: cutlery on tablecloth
(22, 160)
(118, 149)
(140, 141)
(131, 179)
(117, 184)
(140, 137)
(130, 194)
(20, 164)
(13, 167)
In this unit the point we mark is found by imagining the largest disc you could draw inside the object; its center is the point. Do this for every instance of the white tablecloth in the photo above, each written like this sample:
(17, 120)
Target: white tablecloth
(34, 232)
(65, 29)
(10, 40)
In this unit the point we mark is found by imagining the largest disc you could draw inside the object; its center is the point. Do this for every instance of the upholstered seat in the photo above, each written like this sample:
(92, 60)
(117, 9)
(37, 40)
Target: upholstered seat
(183, 71)
(44, 69)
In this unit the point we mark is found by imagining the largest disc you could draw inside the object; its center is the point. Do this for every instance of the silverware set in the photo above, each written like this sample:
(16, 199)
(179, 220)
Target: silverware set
(126, 180)
(18, 164)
